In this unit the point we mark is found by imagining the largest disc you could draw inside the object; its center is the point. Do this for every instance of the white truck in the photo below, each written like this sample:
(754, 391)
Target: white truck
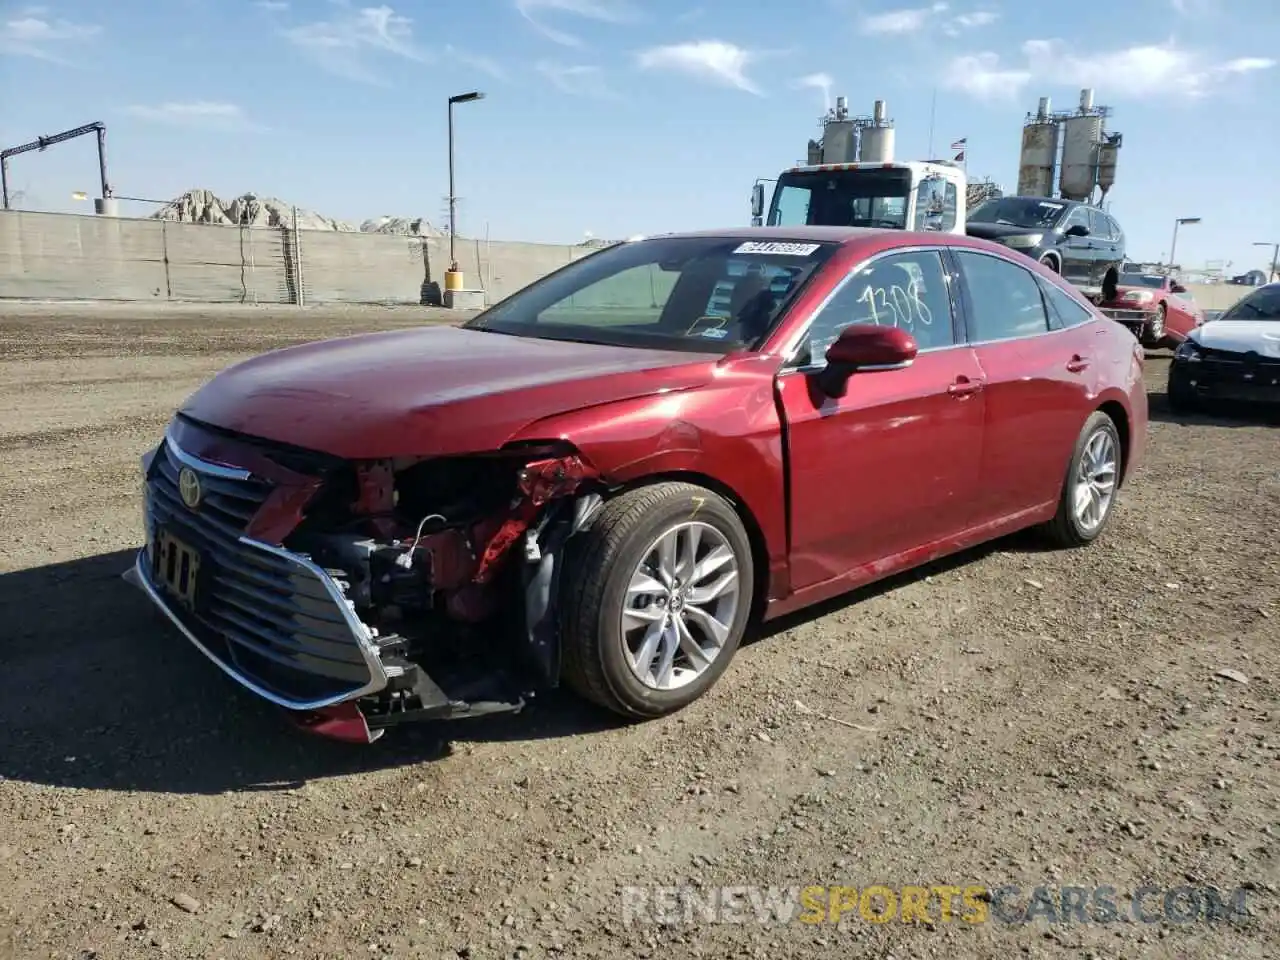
(900, 195)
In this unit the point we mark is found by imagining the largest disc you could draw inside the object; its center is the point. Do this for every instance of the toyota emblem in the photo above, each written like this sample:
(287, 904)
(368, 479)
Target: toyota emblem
(189, 487)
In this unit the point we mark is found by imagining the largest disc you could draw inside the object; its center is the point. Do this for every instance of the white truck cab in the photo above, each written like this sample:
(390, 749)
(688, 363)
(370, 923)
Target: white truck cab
(899, 195)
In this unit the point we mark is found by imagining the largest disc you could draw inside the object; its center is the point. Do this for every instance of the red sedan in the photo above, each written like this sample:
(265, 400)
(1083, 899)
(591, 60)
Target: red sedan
(1155, 307)
(606, 478)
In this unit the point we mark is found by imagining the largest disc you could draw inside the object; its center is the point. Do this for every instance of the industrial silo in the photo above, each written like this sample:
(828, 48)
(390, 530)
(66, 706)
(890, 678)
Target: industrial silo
(1039, 153)
(1108, 154)
(1081, 139)
(877, 137)
(839, 142)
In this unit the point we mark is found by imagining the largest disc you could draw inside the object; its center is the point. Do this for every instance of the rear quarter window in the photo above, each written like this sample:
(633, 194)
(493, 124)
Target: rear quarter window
(1064, 310)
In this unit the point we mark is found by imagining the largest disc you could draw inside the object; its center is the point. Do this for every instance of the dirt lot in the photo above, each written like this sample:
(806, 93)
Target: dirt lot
(1013, 717)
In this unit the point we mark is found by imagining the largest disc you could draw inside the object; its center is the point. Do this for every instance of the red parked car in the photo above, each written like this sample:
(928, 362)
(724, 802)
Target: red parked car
(1155, 307)
(605, 478)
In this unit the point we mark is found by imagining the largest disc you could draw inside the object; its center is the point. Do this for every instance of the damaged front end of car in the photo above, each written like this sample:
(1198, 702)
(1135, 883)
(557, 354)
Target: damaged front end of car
(360, 595)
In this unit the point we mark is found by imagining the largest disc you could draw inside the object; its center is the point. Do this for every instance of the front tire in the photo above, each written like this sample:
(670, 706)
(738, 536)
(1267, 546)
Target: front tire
(1089, 489)
(1153, 332)
(1051, 262)
(658, 594)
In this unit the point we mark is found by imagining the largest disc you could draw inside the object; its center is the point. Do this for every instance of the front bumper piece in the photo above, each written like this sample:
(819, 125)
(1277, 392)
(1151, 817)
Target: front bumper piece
(1231, 377)
(269, 618)
(1135, 320)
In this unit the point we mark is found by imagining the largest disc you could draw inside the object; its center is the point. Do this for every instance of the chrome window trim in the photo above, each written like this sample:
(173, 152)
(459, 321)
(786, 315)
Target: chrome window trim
(203, 466)
(1037, 280)
(789, 350)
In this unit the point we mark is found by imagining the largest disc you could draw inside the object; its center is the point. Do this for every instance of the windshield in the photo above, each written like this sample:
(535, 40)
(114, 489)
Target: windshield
(1262, 304)
(1153, 280)
(842, 198)
(1019, 212)
(702, 294)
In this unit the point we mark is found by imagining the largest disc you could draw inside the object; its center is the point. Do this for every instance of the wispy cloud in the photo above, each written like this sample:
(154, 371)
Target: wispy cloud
(822, 82)
(604, 11)
(904, 20)
(272, 6)
(713, 61)
(578, 80)
(345, 43)
(984, 77)
(33, 32)
(203, 114)
(1143, 71)
(475, 61)
(911, 20)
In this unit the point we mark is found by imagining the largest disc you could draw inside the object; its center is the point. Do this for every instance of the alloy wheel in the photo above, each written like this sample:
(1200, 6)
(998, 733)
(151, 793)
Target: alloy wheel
(1095, 484)
(680, 605)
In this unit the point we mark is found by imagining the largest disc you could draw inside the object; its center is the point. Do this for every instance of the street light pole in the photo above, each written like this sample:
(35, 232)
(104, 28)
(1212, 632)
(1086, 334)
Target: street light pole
(1275, 256)
(1173, 247)
(453, 200)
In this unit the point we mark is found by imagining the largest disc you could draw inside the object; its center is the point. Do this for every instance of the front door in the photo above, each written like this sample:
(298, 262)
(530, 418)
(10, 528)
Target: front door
(893, 464)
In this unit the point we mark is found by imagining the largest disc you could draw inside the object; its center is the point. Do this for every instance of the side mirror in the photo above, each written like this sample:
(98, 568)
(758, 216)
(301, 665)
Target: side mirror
(1177, 288)
(757, 201)
(1077, 230)
(865, 347)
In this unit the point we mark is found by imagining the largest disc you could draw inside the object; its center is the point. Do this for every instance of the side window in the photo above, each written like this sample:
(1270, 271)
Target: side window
(793, 207)
(1098, 225)
(907, 290)
(935, 205)
(1116, 233)
(950, 201)
(1004, 298)
(1078, 215)
(1064, 310)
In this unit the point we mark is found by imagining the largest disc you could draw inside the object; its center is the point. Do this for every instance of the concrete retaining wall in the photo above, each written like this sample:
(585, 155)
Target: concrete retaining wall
(54, 256)
(51, 256)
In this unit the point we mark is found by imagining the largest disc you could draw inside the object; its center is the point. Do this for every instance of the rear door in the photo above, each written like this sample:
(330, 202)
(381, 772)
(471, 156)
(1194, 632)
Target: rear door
(892, 465)
(1103, 253)
(1077, 252)
(1038, 382)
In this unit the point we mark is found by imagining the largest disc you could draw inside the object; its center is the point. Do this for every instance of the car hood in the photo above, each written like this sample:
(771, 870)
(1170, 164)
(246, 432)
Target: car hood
(428, 391)
(998, 231)
(1240, 336)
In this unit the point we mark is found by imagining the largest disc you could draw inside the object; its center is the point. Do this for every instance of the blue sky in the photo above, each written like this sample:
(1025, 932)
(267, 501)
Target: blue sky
(620, 116)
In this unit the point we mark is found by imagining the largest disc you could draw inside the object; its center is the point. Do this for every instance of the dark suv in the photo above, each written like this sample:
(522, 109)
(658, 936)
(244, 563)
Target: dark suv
(1082, 243)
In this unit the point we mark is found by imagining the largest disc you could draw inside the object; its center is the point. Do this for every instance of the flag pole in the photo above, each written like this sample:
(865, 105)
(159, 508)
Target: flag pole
(933, 112)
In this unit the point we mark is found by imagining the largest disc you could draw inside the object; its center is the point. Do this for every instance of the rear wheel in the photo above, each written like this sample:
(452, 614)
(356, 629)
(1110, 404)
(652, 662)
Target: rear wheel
(658, 593)
(1050, 261)
(1153, 332)
(1089, 489)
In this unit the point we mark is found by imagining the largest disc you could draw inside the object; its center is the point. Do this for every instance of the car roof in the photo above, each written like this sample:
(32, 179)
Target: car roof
(879, 237)
(1031, 196)
(812, 234)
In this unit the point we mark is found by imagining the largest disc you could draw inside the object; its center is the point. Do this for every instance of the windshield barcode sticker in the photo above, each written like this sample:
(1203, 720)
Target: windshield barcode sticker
(786, 249)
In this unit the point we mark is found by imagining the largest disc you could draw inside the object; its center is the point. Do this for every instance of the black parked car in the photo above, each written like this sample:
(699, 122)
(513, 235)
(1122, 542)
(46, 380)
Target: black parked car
(1082, 243)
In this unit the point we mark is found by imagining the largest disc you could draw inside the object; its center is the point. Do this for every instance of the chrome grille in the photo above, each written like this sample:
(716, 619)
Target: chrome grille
(269, 617)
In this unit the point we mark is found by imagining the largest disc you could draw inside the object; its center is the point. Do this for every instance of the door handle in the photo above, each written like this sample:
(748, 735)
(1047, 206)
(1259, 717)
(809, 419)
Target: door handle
(964, 387)
(1077, 363)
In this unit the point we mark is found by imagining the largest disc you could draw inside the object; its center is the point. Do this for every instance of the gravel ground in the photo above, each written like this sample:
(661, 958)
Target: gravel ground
(1012, 717)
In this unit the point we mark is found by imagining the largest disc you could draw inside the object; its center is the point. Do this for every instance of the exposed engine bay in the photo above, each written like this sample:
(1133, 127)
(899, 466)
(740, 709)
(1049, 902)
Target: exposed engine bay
(452, 564)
